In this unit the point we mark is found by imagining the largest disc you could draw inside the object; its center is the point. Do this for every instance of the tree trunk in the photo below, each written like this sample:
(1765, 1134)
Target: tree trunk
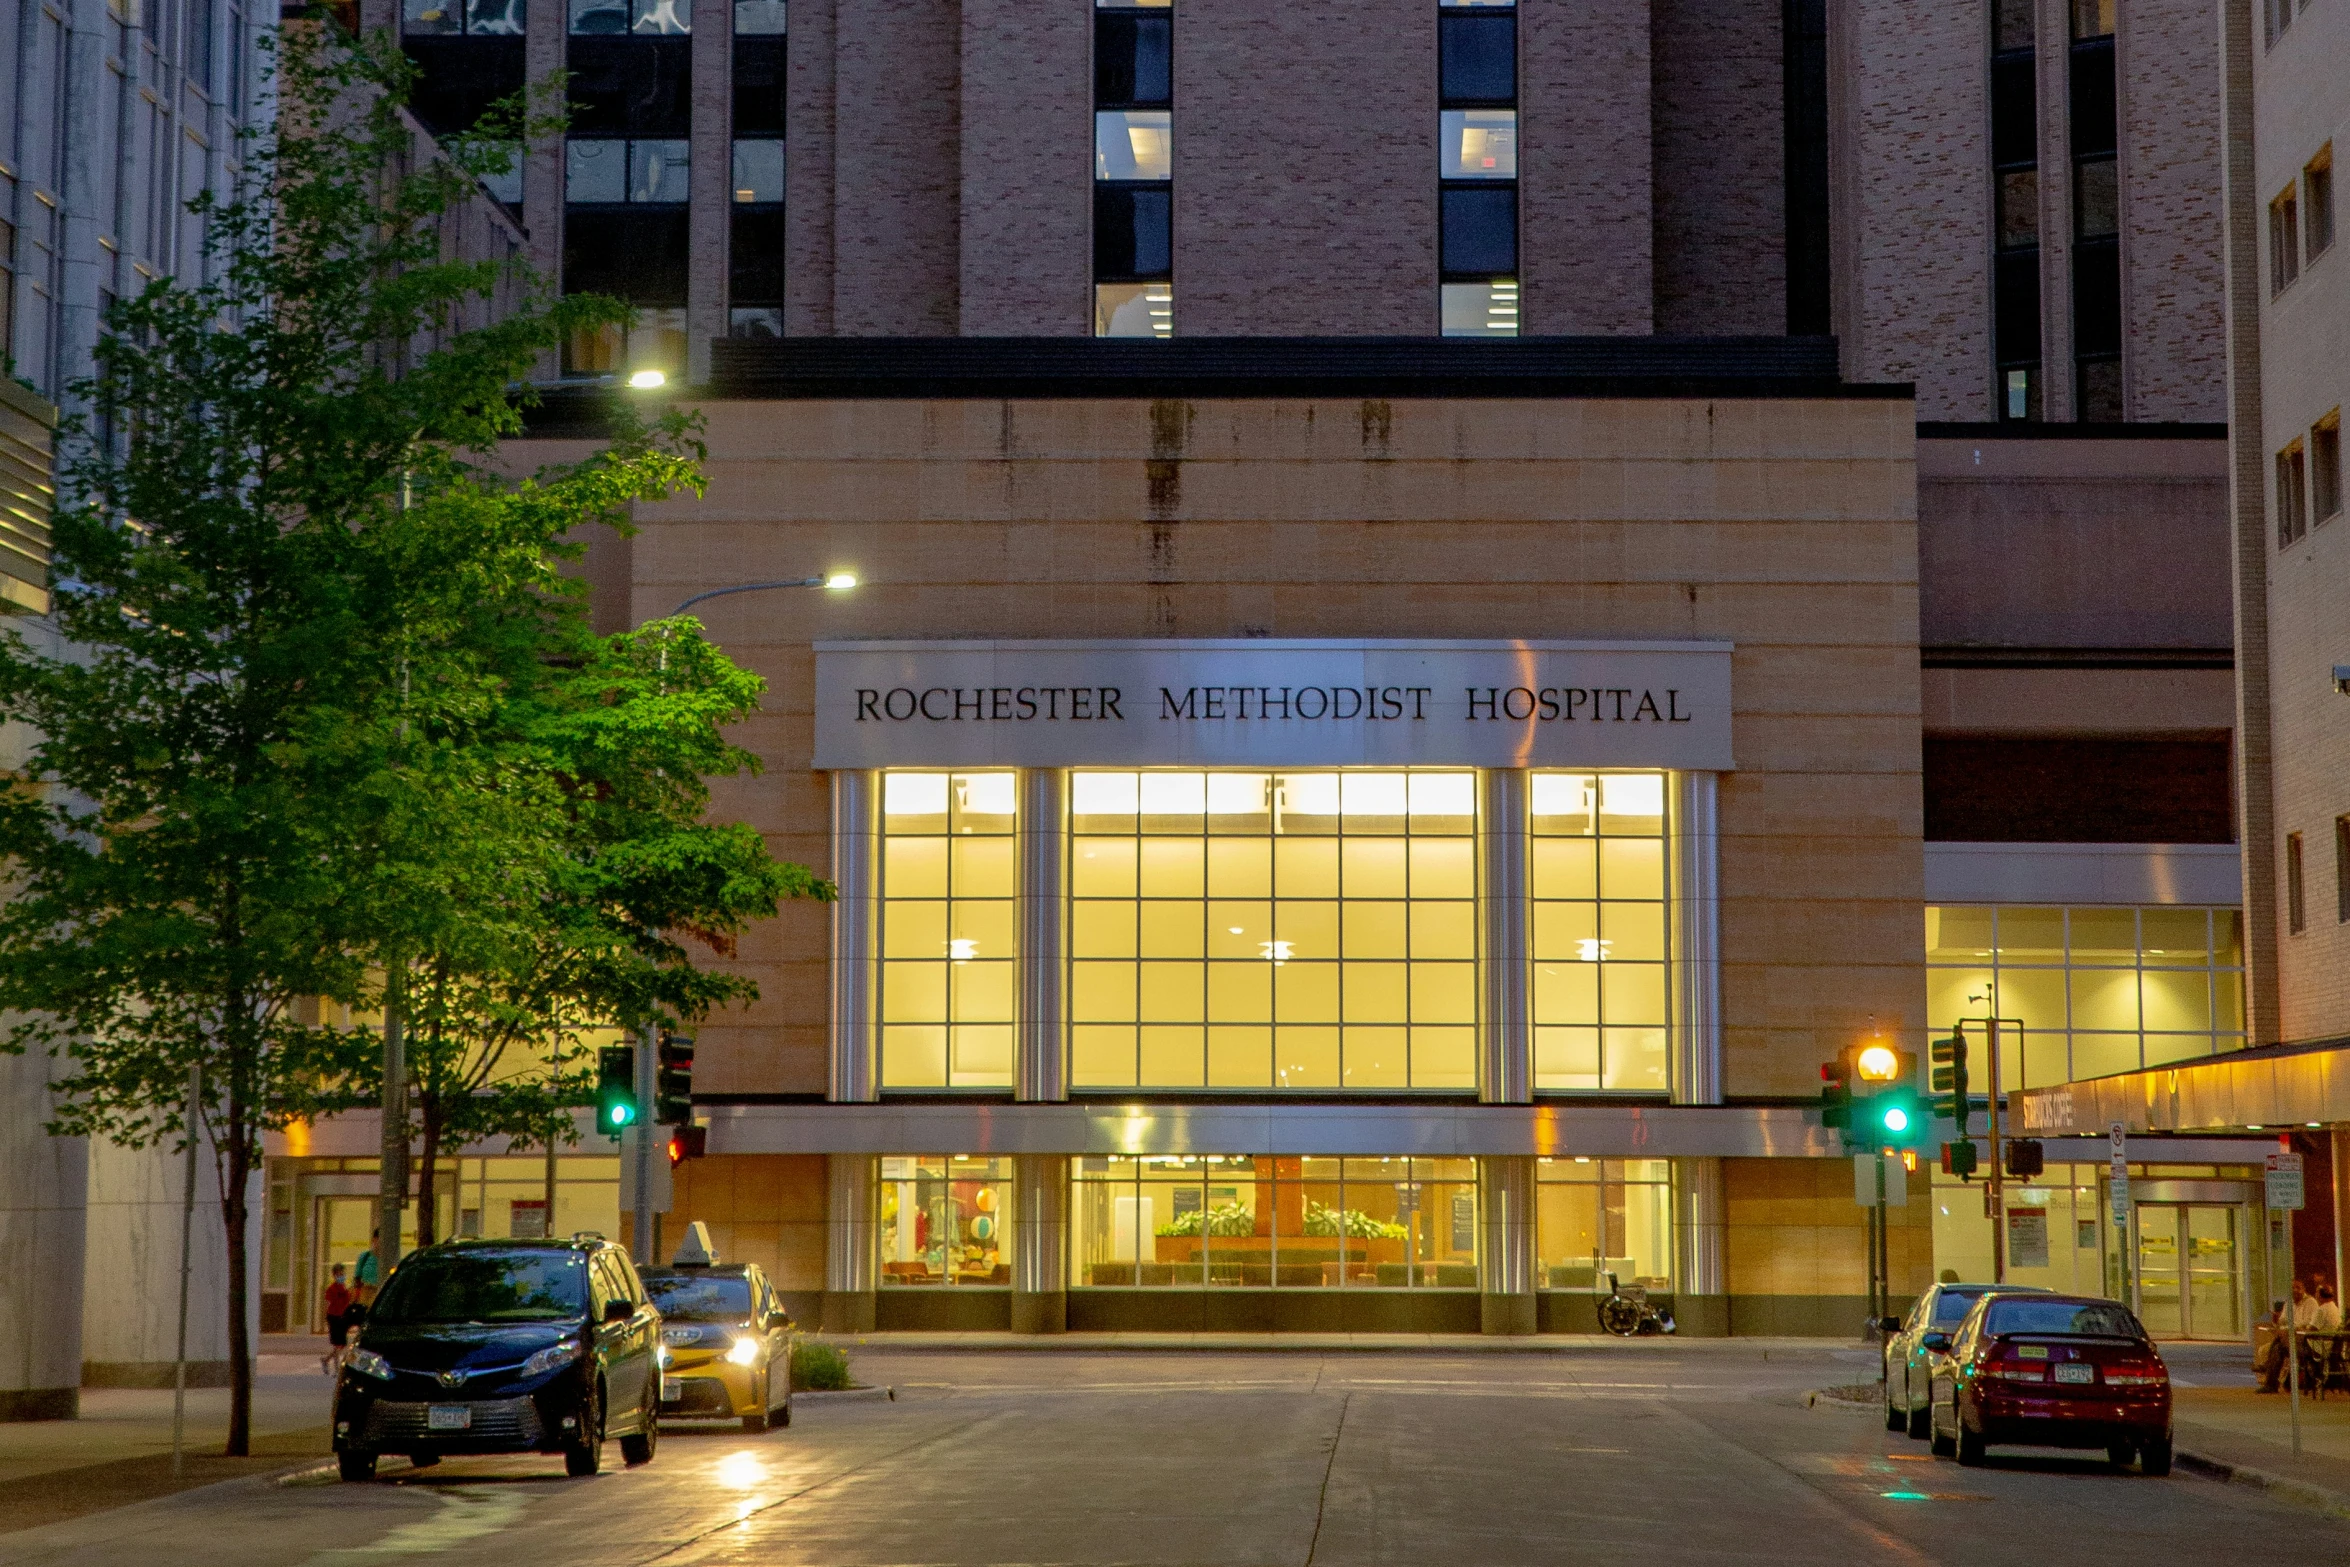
(233, 1217)
(428, 1202)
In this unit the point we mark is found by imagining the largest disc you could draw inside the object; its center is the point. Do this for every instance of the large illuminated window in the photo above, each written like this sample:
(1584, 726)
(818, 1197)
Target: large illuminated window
(1597, 877)
(1596, 1217)
(942, 1220)
(949, 981)
(1205, 1220)
(2097, 991)
(1273, 930)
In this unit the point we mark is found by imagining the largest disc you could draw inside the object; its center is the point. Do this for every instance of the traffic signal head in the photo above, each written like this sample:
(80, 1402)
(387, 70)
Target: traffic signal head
(1836, 1094)
(2026, 1158)
(687, 1142)
(1897, 1119)
(1877, 1062)
(616, 1106)
(673, 1084)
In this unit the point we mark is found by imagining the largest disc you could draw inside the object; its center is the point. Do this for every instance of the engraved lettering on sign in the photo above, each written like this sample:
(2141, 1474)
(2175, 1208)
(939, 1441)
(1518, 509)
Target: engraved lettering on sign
(1560, 704)
(988, 704)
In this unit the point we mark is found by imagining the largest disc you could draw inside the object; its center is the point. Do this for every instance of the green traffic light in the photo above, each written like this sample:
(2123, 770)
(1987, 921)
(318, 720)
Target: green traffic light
(1896, 1119)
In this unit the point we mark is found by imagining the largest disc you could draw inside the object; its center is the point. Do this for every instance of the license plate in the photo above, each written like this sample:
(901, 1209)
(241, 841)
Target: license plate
(2076, 1373)
(669, 1389)
(449, 1417)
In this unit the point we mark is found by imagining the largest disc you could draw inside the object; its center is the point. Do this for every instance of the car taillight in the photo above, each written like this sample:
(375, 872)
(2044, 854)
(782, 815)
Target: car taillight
(2010, 1371)
(2133, 1373)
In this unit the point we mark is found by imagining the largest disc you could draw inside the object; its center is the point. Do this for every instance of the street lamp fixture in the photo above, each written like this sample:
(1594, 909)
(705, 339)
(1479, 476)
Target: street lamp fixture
(648, 380)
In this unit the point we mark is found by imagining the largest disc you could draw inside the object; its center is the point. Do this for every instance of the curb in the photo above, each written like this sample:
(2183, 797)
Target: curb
(2284, 1487)
(846, 1395)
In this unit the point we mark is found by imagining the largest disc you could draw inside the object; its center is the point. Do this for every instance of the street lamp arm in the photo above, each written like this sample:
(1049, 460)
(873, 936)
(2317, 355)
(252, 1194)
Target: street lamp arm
(748, 587)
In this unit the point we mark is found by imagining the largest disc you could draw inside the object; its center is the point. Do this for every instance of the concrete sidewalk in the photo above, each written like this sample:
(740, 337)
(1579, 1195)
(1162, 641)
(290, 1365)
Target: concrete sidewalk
(2242, 1435)
(119, 1451)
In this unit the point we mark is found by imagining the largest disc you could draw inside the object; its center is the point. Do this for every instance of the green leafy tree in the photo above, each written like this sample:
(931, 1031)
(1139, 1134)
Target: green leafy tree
(323, 665)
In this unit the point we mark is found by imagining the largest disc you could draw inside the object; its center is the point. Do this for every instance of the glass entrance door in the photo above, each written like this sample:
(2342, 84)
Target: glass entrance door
(2190, 1270)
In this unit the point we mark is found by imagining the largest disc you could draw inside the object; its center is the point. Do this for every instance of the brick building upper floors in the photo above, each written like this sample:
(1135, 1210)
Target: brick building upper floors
(2011, 204)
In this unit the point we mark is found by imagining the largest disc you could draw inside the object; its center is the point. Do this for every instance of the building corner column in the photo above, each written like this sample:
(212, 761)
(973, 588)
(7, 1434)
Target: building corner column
(856, 928)
(1696, 1062)
(1505, 1050)
(1040, 1243)
(1506, 1300)
(850, 1243)
(709, 189)
(1701, 1292)
(1041, 1073)
(546, 29)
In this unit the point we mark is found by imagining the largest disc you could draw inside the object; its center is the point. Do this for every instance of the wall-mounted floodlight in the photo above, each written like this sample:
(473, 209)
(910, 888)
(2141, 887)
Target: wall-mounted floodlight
(648, 380)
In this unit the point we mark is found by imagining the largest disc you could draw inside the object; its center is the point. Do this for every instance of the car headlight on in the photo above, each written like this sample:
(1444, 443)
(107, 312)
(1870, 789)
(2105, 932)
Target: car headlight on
(745, 1351)
(370, 1364)
(661, 1356)
(549, 1358)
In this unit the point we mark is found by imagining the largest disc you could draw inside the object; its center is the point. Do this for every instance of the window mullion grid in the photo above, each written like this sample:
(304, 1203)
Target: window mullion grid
(1478, 291)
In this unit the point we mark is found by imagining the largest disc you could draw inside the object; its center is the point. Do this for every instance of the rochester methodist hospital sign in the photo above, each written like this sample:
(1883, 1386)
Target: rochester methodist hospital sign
(1261, 702)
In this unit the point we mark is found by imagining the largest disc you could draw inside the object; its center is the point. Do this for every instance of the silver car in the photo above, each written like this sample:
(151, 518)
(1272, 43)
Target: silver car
(1914, 1342)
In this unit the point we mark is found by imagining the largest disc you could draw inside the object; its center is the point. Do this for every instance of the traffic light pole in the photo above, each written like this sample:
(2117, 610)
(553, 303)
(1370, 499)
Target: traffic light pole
(640, 1149)
(1994, 1195)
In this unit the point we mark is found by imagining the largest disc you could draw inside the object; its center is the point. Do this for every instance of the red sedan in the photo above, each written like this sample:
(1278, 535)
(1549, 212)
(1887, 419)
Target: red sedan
(2052, 1371)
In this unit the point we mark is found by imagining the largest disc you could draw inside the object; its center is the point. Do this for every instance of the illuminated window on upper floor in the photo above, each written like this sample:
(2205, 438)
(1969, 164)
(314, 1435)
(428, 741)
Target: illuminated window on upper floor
(1273, 930)
(949, 976)
(2096, 990)
(1597, 877)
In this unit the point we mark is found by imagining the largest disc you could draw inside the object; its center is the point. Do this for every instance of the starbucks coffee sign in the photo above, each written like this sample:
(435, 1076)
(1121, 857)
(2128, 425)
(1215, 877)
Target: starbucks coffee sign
(1267, 703)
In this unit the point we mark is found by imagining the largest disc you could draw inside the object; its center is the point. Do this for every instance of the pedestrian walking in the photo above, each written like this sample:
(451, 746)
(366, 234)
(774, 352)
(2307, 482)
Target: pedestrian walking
(335, 1305)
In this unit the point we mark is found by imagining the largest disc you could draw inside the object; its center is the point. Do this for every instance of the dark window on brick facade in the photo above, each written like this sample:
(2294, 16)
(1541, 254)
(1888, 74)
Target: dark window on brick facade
(457, 78)
(2091, 108)
(2296, 886)
(631, 86)
(1133, 60)
(2317, 193)
(755, 256)
(2017, 392)
(1477, 58)
(2325, 467)
(1480, 231)
(636, 253)
(758, 86)
(2342, 870)
(2292, 491)
(1133, 233)
(1804, 25)
(2000, 790)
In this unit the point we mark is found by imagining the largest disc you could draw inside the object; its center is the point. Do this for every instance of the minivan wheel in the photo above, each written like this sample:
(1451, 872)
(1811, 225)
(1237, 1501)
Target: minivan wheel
(584, 1454)
(1921, 1423)
(1940, 1445)
(355, 1466)
(1895, 1420)
(2154, 1457)
(638, 1448)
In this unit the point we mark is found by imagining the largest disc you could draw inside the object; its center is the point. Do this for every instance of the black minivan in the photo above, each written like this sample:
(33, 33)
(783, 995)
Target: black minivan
(483, 1346)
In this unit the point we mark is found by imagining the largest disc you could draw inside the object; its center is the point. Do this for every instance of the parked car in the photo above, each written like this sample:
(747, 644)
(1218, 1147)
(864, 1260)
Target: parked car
(1914, 1341)
(725, 1345)
(2052, 1371)
(503, 1347)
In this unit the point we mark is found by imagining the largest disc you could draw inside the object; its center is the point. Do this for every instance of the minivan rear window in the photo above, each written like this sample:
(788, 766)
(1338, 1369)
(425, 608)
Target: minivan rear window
(2093, 1319)
(474, 1286)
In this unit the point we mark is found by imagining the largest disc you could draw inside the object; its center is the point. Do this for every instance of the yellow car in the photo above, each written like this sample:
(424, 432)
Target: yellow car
(725, 1345)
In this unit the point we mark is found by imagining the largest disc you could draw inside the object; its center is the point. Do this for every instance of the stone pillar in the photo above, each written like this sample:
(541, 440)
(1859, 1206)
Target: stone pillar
(130, 1325)
(709, 184)
(1040, 1243)
(849, 1243)
(1505, 1036)
(1696, 1064)
(1040, 1073)
(1505, 1215)
(1701, 1288)
(546, 32)
(856, 929)
(44, 1195)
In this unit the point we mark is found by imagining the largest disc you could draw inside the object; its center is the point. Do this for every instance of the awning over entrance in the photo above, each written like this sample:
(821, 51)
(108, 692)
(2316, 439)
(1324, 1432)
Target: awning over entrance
(2274, 1087)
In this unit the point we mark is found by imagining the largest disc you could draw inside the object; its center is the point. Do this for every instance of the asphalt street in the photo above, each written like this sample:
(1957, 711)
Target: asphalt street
(1685, 1453)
